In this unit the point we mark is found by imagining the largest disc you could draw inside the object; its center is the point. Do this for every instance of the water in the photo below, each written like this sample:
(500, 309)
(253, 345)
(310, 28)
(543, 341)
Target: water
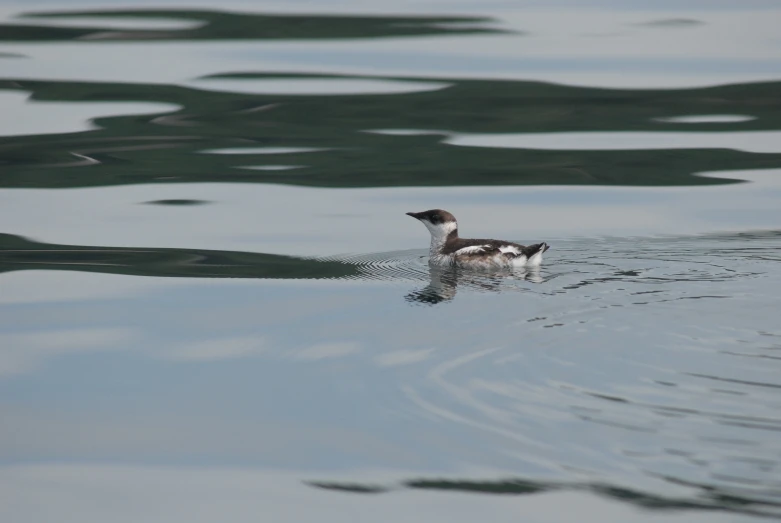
(212, 306)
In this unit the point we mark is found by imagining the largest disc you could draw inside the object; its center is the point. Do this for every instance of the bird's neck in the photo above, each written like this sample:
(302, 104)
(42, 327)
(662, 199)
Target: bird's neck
(440, 238)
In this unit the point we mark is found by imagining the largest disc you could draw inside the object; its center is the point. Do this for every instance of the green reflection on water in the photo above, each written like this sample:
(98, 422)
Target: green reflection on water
(169, 148)
(18, 253)
(223, 25)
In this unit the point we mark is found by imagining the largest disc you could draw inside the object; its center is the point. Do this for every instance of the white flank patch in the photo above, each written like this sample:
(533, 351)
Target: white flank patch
(471, 250)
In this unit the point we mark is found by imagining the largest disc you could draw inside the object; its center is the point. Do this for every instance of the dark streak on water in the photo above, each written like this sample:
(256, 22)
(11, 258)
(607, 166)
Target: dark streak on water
(177, 202)
(712, 499)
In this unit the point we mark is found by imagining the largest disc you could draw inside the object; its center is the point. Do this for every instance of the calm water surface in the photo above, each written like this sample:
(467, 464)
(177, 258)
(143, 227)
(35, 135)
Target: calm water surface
(212, 307)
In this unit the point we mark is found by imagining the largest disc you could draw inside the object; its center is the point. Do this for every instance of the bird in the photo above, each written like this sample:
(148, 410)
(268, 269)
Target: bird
(448, 250)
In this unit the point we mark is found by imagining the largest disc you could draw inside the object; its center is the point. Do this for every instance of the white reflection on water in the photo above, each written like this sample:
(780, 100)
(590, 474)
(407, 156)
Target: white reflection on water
(215, 349)
(706, 118)
(264, 150)
(324, 351)
(110, 22)
(318, 86)
(403, 357)
(556, 44)
(750, 141)
(21, 352)
(246, 217)
(272, 167)
(28, 287)
(24, 116)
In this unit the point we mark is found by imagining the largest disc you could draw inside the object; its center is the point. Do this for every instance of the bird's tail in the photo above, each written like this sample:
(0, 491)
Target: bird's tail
(534, 252)
(537, 248)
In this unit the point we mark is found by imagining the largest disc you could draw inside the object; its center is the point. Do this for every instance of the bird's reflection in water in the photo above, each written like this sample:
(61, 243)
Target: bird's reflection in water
(444, 281)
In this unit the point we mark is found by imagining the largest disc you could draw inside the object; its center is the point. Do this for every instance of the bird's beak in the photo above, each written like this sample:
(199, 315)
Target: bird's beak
(415, 215)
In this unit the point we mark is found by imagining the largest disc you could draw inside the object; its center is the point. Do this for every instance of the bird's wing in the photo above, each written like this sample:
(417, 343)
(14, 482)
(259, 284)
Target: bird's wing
(509, 249)
(473, 249)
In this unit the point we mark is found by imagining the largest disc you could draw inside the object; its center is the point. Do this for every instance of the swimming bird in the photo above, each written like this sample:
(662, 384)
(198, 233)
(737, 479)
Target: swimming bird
(447, 249)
